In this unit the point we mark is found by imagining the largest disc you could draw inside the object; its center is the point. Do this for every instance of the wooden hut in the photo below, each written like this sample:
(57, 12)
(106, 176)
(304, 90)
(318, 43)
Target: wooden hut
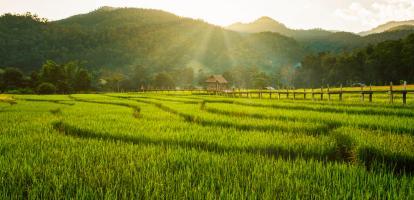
(216, 83)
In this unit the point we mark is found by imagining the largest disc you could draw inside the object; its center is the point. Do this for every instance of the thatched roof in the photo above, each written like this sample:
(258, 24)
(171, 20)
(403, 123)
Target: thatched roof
(216, 79)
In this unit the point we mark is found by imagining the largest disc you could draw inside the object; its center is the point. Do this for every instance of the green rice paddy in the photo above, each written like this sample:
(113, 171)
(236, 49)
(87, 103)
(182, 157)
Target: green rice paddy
(183, 146)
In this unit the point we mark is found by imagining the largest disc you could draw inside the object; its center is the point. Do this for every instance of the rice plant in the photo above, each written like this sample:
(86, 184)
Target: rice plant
(193, 146)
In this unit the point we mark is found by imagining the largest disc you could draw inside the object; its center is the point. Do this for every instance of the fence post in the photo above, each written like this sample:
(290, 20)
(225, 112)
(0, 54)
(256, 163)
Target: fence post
(405, 93)
(287, 93)
(270, 94)
(329, 94)
(294, 94)
(370, 93)
(340, 94)
(260, 94)
(362, 94)
(313, 95)
(304, 94)
(391, 94)
(321, 93)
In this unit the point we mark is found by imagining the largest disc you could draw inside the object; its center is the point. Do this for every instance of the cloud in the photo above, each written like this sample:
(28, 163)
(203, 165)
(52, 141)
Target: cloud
(377, 12)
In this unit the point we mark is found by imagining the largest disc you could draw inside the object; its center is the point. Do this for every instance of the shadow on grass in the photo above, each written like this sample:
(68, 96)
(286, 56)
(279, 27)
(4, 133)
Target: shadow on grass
(328, 109)
(314, 130)
(372, 157)
(136, 109)
(202, 146)
(331, 124)
(400, 111)
(50, 101)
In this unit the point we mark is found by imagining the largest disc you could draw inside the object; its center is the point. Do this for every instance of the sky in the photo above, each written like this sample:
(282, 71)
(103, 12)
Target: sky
(343, 15)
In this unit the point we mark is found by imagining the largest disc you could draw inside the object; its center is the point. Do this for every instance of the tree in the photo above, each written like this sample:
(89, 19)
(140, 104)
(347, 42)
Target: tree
(54, 73)
(46, 88)
(187, 76)
(229, 77)
(116, 79)
(261, 80)
(34, 79)
(1, 80)
(83, 80)
(164, 81)
(72, 70)
(13, 78)
(141, 76)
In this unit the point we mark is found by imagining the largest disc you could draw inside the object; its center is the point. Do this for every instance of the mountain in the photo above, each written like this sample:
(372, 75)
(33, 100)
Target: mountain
(319, 40)
(265, 24)
(121, 39)
(402, 27)
(388, 27)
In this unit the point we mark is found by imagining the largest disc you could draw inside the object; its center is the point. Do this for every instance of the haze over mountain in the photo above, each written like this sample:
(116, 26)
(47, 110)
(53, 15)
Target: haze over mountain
(265, 24)
(318, 40)
(390, 26)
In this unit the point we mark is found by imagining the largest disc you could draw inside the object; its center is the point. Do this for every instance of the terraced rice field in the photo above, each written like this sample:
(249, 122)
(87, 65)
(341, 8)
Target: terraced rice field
(173, 146)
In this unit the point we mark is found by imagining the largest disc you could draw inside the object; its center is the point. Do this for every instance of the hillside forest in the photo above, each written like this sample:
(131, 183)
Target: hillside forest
(126, 49)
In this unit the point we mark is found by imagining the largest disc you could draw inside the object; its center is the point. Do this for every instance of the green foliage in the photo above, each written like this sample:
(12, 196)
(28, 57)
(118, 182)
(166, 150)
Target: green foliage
(67, 78)
(243, 77)
(117, 39)
(46, 88)
(82, 80)
(13, 78)
(261, 80)
(376, 64)
(164, 80)
(140, 43)
(20, 91)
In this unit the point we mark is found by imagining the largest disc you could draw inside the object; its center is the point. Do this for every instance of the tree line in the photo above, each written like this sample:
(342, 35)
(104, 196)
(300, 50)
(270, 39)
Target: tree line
(51, 78)
(72, 77)
(380, 64)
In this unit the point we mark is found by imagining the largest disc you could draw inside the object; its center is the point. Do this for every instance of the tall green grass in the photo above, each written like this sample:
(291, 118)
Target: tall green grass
(164, 146)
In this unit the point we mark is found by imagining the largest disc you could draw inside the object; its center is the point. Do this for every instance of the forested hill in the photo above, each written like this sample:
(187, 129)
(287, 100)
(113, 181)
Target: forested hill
(124, 38)
(319, 40)
(140, 44)
(375, 64)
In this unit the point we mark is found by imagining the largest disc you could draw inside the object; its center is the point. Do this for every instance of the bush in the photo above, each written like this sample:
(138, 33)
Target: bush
(46, 88)
(20, 91)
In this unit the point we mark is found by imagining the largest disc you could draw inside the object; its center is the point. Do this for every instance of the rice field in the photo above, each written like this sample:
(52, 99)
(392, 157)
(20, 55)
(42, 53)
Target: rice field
(183, 146)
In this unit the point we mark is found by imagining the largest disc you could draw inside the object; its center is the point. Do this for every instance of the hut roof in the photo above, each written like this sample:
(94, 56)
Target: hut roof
(216, 79)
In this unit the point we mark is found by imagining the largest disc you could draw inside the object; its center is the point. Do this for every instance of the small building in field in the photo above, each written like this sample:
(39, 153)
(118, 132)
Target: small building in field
(216, 83)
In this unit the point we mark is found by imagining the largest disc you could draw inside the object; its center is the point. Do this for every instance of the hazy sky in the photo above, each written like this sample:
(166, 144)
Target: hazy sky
(348, 15)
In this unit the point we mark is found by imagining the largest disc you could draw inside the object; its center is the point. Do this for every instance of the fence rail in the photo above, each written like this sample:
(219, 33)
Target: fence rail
(306, 93)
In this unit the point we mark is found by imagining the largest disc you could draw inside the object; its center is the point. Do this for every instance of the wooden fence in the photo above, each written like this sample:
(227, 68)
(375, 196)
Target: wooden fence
(313, 94)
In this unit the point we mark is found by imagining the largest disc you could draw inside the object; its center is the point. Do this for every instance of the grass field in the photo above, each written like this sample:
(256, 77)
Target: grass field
(177, 146)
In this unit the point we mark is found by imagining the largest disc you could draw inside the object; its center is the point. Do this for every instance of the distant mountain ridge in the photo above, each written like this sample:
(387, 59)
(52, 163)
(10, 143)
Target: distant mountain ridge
(402, 27)
(265, 24)
(319, 40)
(389, 26)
